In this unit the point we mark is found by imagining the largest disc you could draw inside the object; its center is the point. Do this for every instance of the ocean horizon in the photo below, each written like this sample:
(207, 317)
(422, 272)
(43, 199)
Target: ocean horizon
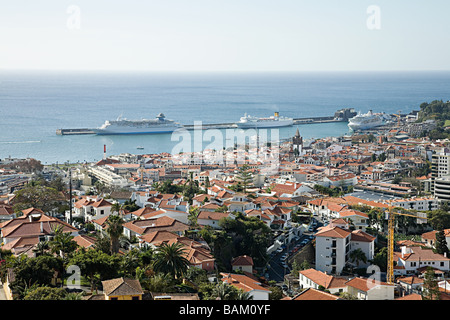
(34, 104)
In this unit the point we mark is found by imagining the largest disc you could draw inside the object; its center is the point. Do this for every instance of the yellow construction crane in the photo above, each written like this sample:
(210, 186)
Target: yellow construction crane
(398, 115)
(391, 223)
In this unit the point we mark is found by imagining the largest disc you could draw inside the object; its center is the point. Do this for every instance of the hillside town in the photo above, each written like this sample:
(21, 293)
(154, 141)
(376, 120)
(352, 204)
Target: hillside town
(360, 217)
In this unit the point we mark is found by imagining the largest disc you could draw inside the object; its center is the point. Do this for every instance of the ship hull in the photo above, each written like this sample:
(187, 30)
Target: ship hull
(130, 131)
(363, 126)
(269, 124)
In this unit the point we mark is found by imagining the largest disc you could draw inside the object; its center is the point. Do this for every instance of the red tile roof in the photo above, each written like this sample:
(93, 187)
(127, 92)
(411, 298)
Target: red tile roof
(242, 261)
(314, 294)
(334, 232)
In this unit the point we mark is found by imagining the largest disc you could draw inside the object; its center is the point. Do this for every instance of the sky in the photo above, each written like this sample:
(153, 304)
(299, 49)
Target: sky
(225, 35)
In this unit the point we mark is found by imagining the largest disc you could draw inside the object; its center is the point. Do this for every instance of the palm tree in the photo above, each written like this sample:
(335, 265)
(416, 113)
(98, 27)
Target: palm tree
(357, 256)
(223, 291)
(159, 283)
(243, 295)
(117, 207)
(114, 229)
(40, 248)
(192, 217)
(62, 242)
(170, 259)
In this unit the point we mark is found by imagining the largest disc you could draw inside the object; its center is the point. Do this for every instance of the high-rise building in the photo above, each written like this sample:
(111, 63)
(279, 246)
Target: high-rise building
(440, 166)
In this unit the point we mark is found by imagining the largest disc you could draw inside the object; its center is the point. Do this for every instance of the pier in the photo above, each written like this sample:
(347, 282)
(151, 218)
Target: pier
(340, 116)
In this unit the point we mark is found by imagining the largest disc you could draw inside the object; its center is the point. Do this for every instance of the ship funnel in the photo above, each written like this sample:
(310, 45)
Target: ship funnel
(277, 114)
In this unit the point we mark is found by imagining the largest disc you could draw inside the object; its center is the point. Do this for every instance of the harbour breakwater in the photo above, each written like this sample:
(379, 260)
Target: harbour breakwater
(340, 116)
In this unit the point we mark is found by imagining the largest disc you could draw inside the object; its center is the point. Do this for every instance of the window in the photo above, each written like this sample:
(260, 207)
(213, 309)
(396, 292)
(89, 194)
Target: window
(113, 298)
(102, 211)
(135, 298)
(442, 263)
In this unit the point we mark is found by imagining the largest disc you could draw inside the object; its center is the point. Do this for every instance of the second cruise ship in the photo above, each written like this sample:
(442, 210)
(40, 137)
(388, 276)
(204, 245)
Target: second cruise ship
(366, 121)
(145, 126)
(248, 121)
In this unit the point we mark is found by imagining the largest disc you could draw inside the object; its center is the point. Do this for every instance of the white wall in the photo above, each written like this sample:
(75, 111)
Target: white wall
(324, 254)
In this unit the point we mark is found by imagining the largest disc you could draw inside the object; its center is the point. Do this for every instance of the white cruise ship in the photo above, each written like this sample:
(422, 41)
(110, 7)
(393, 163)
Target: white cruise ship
(248, 121)
(366, 121)
(145, 126)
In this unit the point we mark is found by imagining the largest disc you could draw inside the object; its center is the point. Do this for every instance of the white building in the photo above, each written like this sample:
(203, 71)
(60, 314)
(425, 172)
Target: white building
(440, 166)
(108, 177)
(312, 278)
(442, 188)
(370, 289)
(208, 218)
(344, 180)
(359, 220)
(90, 208)
(334, 244)
(413, 258)
(416, 203)
(247, 284)
(332, 249)
(365, 242)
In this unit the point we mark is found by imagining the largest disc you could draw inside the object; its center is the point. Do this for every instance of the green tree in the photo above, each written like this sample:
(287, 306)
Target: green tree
(41, 248)
(41, 197)
(96, 265)
(357, 256)
(347, 296)
(170, 259)
(190, 188)
(223, 208)
(130, 262)
(160, 282)
(192, 217)
(380, 259)
(114, 229)
(207, 183)
(276, 293)
(103, 243)
(430, 286)
(243, 295)
(224, 291)
(245, 177)
(62, 242)
(243, 236)
(305, 265)
(39, 270)
(117, 207)
(46, 293)
(130, 205)
(439, 219)
(441, 243)
(196, 276)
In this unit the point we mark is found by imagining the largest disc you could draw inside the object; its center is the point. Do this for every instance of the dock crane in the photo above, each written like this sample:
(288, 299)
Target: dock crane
(390, 214)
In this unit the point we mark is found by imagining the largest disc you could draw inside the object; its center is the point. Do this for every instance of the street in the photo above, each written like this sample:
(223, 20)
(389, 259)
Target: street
(2, 292)
(276, 270)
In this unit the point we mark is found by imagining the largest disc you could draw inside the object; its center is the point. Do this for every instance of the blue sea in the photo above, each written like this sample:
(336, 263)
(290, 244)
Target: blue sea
(33, 104)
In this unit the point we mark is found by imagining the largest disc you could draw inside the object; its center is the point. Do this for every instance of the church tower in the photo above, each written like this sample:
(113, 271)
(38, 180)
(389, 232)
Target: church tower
(297, 142)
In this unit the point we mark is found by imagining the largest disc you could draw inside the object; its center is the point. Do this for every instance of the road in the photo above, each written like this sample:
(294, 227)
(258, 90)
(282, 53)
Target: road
(276, 271)
(2, 292)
